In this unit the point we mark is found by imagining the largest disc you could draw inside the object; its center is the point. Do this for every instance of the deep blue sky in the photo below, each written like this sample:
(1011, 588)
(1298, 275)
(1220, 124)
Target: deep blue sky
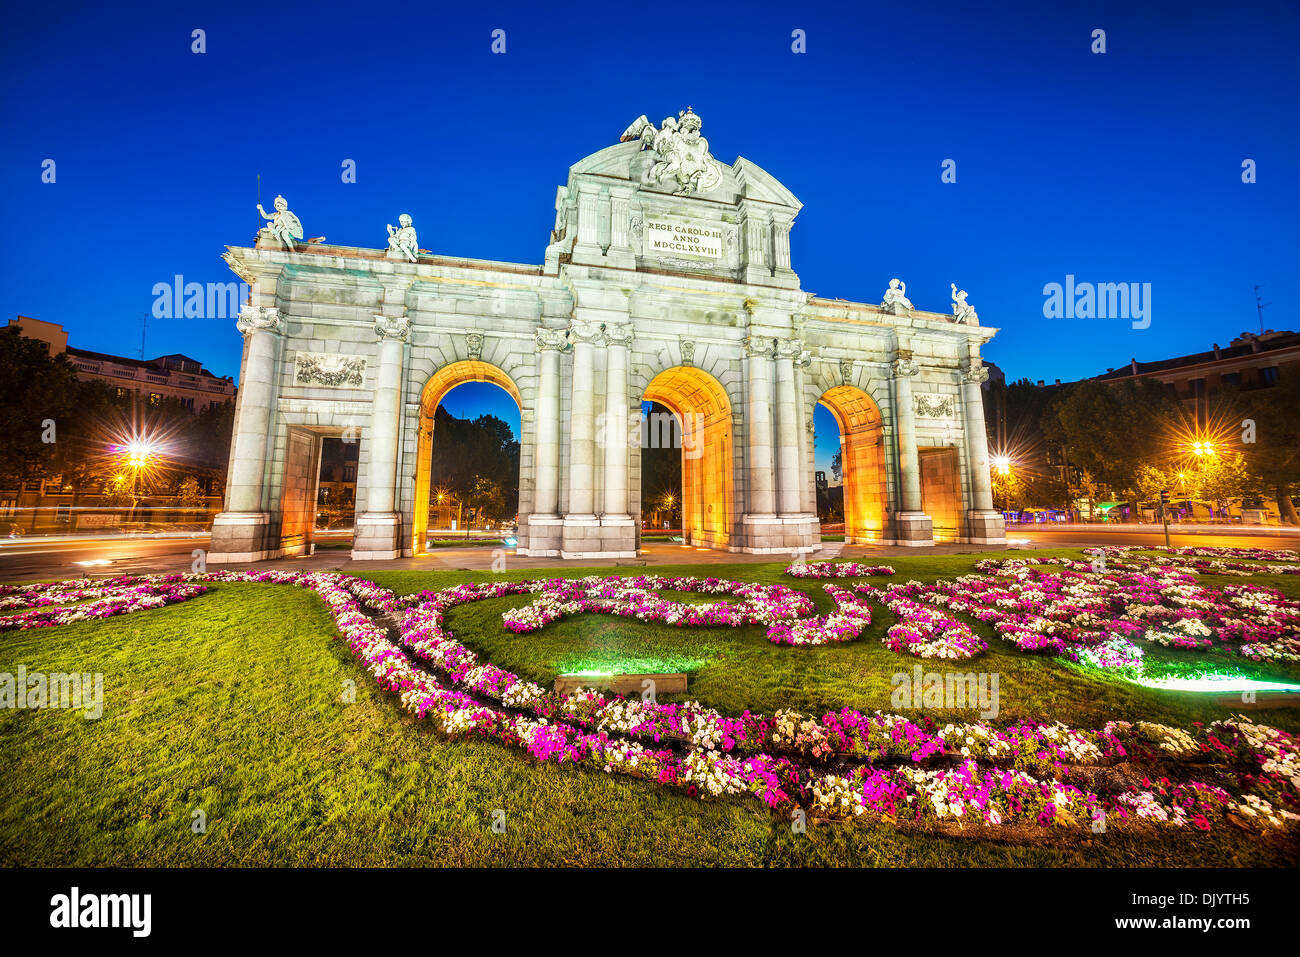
(1117, 167)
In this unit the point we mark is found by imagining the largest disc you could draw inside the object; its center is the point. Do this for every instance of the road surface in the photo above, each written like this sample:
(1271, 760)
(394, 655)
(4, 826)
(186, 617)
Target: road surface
(32, 559)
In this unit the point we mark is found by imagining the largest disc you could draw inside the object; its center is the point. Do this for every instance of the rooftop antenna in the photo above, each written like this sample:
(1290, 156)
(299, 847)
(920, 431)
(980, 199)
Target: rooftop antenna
(1259, 309)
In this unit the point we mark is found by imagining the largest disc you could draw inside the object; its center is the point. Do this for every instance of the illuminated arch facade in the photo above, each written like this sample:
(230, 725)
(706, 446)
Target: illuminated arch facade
(689, 300)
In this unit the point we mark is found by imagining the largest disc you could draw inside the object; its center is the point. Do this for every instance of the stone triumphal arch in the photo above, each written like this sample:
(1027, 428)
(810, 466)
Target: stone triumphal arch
(667, 278)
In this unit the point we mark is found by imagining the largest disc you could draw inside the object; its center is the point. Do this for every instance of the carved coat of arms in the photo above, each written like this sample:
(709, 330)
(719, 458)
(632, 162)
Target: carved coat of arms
(683, 154)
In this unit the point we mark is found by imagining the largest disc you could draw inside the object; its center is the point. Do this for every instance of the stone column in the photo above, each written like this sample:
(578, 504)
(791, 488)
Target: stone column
(787, 429)
(913, 525)
(617, 528)
(544, 522)
(615, 427)
(781, 244)
(758, 421)
(582, 420)
(378, 528)
(546, 481)
(587, 245)
(239, 533)
(799, 528)
(581, 527)
(984, 524)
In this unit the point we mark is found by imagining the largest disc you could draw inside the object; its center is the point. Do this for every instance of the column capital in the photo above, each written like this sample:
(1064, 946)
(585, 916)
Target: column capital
(259, 319)
(789, 348)
(974, 373)
(392, 327)
(904, 366)
(551, 340)
(619, 334)
(586, 330)
(758, 347)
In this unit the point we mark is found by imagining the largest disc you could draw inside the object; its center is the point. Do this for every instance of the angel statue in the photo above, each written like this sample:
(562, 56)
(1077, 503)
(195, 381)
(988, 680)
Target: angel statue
(896, 300)
(683, 154)
(284, 225)
(962, 311)
(401, 241)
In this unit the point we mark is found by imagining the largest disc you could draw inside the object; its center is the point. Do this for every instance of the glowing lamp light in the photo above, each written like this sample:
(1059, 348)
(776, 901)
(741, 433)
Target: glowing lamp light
(1002, 464)
(1214, 683)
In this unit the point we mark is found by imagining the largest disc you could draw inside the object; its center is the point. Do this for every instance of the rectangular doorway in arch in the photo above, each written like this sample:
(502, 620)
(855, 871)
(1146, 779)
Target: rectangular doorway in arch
(299, 491)
(941, 492)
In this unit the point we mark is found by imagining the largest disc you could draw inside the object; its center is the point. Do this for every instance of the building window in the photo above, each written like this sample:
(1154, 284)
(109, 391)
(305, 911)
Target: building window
(121, 393)
(1230, 378)
(1198, 387)
(155, 398)
(1268, 376)
(349, 473)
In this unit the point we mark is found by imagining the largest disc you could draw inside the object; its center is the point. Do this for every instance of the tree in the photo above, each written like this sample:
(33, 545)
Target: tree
(1221, 479)
(488, 497)
(1114, 431)
(466, 451)
(661, 464)
(1270, 440)
(37, 395)
(189, 495)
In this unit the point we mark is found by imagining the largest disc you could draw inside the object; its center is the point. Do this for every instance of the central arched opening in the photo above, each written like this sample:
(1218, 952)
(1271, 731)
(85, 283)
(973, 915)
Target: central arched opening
(472, 484)
(703, 418)
(860, 464)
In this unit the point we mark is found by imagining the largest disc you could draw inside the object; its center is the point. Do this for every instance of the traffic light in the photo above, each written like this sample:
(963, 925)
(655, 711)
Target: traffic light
(1164, 497)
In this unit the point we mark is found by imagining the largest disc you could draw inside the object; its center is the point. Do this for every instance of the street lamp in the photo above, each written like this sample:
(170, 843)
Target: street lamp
(1002, 465)
(137, 454)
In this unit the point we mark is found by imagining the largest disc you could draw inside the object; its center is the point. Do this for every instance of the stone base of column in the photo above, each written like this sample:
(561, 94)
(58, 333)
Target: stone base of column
(986, 528)
(544, 533)
(584, 536)
(617, 536)
(377, 537)
(779, 534)
(913, 529)
(588, 254)
(239, 537)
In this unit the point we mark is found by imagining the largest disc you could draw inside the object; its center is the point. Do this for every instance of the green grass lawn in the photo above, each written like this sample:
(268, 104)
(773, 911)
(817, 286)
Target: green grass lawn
(231, 703)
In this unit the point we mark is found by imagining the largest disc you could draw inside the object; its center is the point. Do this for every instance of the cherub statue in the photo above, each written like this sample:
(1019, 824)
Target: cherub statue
(284, 225)
(896, 300)
(962, 311)
(401, 241)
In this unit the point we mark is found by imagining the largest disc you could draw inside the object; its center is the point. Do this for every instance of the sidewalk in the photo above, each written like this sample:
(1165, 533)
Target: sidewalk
(1186, 528)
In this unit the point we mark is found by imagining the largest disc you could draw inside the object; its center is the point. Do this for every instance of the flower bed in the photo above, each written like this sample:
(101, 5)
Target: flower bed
(840, 765)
